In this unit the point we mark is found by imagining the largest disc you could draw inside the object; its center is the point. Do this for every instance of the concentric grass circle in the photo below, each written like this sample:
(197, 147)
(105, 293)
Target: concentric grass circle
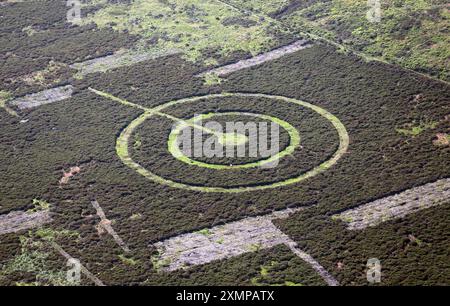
(174, 149)
(123, 140)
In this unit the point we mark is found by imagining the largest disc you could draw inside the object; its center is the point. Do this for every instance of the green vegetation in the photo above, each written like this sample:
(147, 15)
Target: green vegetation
(211, 62)
(391, 242)
(136, 216)
(232, 139)
(264, 271)
(204, 232)
(4, 98)
(266, 275)
(24, 284)
(51, 234)
(414, 130)
(187, 25)
(39, 205)
(255, 247)
(244, 270)
(128, 260)
(370, 99)
(158, 264)
(292, 284)
(411, 33)
(35, 262)
(261, 6)
(45, 77)
(36, 258)
(346, 219)
(211, 79)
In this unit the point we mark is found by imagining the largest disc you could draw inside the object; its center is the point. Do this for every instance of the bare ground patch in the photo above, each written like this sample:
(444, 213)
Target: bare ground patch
(67, 175)
(396, 206)
(43, 97)
(229, 240)
(19, 220)
(116, 60)
(259, 59)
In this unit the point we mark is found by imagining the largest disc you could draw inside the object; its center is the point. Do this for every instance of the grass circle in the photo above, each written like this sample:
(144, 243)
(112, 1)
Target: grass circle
(124, 137)
(174, 149)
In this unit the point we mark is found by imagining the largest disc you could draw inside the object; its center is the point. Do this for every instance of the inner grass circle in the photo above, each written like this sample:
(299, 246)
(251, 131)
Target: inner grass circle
(232, 139)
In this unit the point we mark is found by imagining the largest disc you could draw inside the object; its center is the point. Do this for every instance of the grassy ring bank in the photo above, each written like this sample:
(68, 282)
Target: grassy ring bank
(174, 149)
(125, 135)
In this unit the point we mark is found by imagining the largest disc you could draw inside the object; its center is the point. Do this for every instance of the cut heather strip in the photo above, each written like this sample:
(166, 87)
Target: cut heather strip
(396, 206)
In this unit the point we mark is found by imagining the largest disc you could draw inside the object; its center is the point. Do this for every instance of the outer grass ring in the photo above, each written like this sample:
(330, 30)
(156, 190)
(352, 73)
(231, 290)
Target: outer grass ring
(294, 141)
(123, 139)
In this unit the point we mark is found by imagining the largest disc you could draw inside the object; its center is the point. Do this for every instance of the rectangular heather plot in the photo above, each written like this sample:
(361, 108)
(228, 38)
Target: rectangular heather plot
(119, 59)
(220, 242)
(44, 97)
(396, 206)
(262, 58)
(19, 220)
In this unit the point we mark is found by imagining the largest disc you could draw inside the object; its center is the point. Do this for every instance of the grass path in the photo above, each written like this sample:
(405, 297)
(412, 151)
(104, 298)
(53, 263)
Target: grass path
(155, 112)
